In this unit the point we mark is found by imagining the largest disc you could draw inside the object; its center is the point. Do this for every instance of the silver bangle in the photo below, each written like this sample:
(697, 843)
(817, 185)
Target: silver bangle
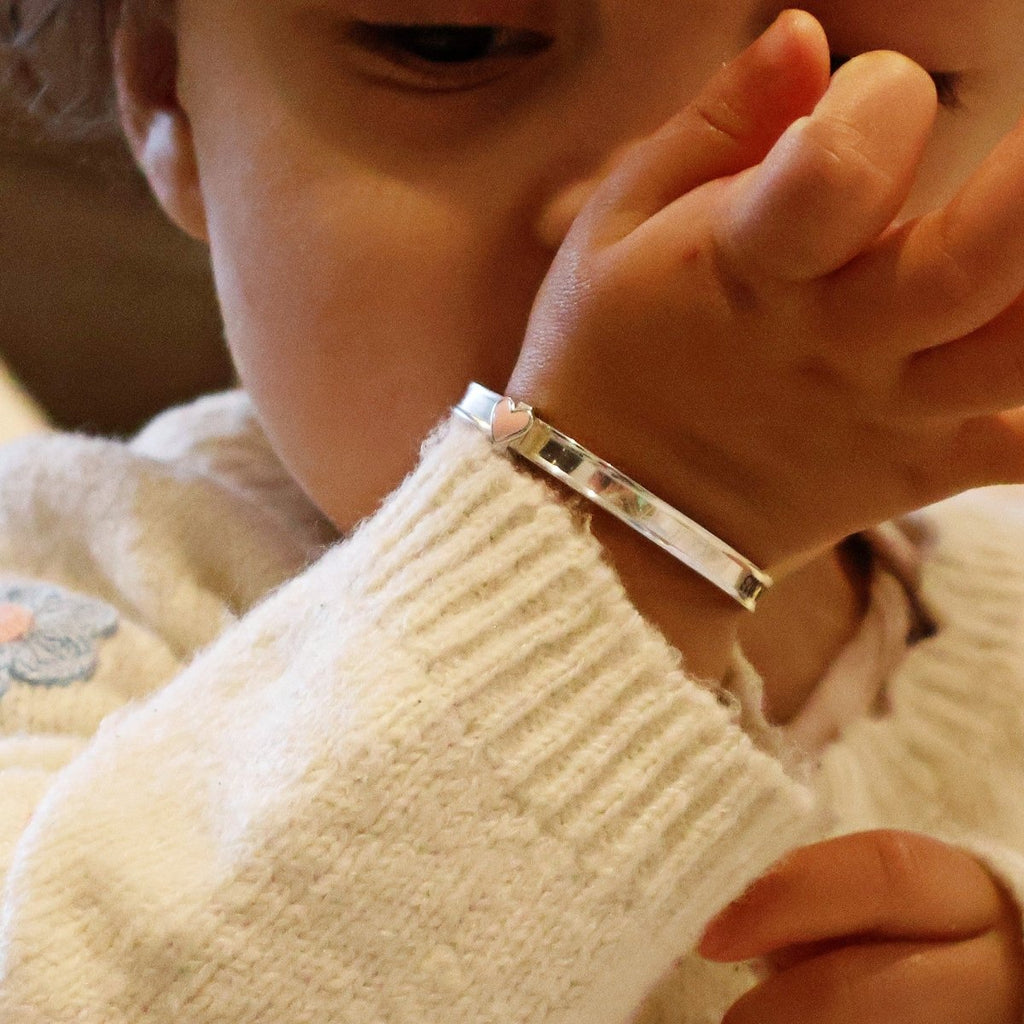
(511, 424)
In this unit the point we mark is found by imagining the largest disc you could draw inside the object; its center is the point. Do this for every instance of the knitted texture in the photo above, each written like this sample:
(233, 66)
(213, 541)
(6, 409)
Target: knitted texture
(947, 756)
(448, 774)
(445, 774)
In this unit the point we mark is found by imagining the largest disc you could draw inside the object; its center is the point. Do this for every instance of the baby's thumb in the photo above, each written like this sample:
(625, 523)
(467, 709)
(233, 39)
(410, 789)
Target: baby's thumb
(731, 125)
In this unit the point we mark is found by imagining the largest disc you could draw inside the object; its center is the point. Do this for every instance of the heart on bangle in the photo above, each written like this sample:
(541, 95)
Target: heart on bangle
(510, 420)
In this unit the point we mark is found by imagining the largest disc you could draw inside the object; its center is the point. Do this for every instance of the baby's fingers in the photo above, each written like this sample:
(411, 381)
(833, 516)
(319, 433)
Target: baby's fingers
(882, 883)
(968, 982)
(950, 272)
(836, 179)
(973, 376)
(729, 126)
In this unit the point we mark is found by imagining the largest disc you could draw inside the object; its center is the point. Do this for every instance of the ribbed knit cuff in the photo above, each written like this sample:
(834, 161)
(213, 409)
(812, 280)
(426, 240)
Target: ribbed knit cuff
(577, 703)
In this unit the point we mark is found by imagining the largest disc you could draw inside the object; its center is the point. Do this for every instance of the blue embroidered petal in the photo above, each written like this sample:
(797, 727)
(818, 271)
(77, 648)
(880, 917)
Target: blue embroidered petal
(97, 618)
(60, 647)
(6, 660)
(26, 594)
(69, 613)
(48, 659)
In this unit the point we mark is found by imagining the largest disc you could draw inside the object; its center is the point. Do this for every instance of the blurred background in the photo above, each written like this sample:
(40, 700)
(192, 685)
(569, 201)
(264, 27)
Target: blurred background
(107, 312)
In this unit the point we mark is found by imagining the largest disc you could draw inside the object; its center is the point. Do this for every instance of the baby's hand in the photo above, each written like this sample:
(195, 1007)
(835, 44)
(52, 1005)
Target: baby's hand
(756, 342)
(876, 928)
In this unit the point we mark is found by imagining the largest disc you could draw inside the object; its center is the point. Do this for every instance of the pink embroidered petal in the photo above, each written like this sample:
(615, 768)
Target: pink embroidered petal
(15, 622)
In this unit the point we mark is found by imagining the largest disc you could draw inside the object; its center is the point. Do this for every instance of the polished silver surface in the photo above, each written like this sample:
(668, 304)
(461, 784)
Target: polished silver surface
(512, 424)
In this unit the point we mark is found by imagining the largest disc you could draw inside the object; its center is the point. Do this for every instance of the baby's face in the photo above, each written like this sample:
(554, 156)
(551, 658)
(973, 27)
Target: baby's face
(383, 198)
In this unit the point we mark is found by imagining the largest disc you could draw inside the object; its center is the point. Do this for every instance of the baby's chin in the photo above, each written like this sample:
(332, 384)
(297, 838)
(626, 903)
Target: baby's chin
(343, 498)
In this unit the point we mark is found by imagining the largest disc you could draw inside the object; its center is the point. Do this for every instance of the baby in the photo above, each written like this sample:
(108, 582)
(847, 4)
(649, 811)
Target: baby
(443, 770)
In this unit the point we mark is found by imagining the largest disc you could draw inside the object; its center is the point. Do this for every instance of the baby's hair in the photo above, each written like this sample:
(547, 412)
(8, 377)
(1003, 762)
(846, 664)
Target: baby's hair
(55, 63)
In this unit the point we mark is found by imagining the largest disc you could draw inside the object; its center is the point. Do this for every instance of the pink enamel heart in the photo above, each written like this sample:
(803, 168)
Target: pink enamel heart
(509, 421)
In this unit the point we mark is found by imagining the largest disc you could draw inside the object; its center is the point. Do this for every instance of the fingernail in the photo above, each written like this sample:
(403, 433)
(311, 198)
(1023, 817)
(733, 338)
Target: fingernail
(787, 25)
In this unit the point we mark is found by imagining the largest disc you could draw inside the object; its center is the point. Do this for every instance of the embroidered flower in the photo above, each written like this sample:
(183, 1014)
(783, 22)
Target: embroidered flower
(48, 636)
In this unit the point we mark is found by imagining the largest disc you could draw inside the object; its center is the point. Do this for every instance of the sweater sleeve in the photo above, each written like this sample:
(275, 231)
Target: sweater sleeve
(447, 773)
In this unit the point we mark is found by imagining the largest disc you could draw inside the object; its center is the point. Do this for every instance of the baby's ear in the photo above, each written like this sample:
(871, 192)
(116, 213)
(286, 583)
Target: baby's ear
(145, 56)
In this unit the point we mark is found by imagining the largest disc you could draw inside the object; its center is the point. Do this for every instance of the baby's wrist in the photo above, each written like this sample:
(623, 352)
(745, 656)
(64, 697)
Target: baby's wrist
(695, 616)
(513, 425)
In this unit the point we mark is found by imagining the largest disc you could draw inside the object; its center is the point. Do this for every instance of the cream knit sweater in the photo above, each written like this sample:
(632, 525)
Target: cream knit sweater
(445, 774)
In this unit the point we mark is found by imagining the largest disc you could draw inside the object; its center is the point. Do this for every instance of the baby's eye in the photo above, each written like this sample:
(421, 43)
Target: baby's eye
(444, 57)
(448, 44)
(947, 83)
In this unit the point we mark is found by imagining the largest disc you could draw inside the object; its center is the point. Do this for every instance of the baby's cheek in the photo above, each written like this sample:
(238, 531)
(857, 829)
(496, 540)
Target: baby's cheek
(944, 169)
(357, 317)
(962, 138)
